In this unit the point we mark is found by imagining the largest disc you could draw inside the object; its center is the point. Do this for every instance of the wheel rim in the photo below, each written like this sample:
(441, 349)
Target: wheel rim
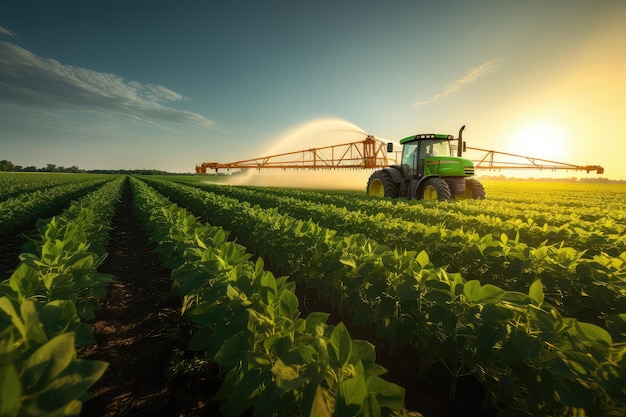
(377, 189)
(430, 193)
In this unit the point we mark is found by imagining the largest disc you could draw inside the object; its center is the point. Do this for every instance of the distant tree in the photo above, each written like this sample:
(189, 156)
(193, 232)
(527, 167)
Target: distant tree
(6, 165)
(30, 169)
(17, 168)
(50, 168)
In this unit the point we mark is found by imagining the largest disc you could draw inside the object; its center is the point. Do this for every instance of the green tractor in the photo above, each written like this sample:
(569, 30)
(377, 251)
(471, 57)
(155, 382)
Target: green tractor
(428, 170)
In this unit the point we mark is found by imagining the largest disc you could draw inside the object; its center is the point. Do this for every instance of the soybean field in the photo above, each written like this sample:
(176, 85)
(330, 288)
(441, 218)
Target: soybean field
(135, 295)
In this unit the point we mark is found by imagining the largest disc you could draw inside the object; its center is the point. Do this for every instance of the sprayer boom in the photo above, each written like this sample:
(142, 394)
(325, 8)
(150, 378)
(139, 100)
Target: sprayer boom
(371, 153)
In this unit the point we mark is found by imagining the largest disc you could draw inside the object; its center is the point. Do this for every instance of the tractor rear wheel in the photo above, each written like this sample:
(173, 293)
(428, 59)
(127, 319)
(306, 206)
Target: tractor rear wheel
(436, 189)
(380, 184)
(473, 189)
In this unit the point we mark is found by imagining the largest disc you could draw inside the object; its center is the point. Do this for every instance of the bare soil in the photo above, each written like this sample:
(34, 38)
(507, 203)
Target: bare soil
(138, 330)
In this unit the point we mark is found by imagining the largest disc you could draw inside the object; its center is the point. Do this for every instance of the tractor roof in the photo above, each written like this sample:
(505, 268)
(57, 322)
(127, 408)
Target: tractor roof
(426, 136)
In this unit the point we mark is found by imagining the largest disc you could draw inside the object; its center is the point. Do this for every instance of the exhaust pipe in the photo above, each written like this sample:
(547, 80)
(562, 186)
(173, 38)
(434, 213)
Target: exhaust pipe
(459, 150)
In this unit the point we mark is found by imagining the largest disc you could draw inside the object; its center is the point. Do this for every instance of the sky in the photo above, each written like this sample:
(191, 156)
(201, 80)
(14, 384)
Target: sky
(168, 85)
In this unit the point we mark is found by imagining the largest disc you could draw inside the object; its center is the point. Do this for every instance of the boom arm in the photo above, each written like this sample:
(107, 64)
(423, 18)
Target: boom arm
(368, 153)
(526, 162)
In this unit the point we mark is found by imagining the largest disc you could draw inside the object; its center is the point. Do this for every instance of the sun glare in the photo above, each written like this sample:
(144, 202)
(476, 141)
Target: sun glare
(541, 140)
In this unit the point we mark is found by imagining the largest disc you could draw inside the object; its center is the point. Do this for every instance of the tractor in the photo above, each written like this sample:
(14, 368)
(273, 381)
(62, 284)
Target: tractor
(428, 170)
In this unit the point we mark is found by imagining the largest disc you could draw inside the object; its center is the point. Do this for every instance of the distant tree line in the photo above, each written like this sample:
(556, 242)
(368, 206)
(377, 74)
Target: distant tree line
(8, 166)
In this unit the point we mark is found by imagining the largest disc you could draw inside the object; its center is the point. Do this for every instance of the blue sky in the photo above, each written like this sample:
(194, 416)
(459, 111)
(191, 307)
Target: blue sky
(168, 85)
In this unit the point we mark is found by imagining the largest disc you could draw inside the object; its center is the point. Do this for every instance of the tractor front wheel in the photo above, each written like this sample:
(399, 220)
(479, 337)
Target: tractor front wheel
(380, 184)
(436, 189)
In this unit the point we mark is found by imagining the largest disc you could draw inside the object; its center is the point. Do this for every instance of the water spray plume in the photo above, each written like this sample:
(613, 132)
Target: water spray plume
(313, 134)
(316, 133)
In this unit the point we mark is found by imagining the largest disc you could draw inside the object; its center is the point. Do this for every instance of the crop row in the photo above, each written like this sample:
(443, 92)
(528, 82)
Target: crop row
(248, 321)
(28, 206)
(591, 289)
(604, 234)
(43, 305)
(551, 203)
(528, 355)
(12, 184)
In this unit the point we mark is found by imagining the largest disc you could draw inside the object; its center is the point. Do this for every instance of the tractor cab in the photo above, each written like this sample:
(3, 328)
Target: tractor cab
(432, 154)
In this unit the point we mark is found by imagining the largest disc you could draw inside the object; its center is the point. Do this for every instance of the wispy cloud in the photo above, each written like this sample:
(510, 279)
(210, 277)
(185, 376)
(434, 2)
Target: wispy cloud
(471, 76)
(7, 32)
(32, 81)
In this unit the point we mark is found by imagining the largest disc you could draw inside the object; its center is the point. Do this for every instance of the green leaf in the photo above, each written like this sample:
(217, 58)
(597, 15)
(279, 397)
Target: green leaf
(287, 377)
(59, 316)
(322, 403)
(201, 339)
(233, 351)
(423, 259)
(487, 336)
(352, 391)
(496, 314)
(315, 318)
(370, 407)
(440, 297)
(348, 259)
(47, 362)
(536, 293)
(288, 306)
(49, 253)
(267, 289)
(67, 387)
(10, 391)
(520, 347)
(246, 391)
(476, 293)
(616, 324)
(339, 346)
(594, 333)
(388, 394)
(34, 330)
(24, 280)
(7, 306)
(584, 364)
(301, 355)
(490, 293)
(84, 335)
(471, 290)
(364, 352)
(407, 289)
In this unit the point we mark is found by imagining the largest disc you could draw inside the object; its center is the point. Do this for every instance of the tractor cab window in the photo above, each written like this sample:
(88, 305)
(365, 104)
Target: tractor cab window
(408, 157)
(432, 148)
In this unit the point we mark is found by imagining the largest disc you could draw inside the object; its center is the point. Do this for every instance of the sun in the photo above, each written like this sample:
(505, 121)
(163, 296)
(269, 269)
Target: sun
(543, 140)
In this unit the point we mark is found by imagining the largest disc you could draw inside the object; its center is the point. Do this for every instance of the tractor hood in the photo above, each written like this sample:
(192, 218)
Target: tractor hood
(448, 166)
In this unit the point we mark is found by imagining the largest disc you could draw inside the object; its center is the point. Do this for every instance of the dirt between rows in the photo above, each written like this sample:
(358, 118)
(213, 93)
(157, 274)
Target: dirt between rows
(140, 333)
